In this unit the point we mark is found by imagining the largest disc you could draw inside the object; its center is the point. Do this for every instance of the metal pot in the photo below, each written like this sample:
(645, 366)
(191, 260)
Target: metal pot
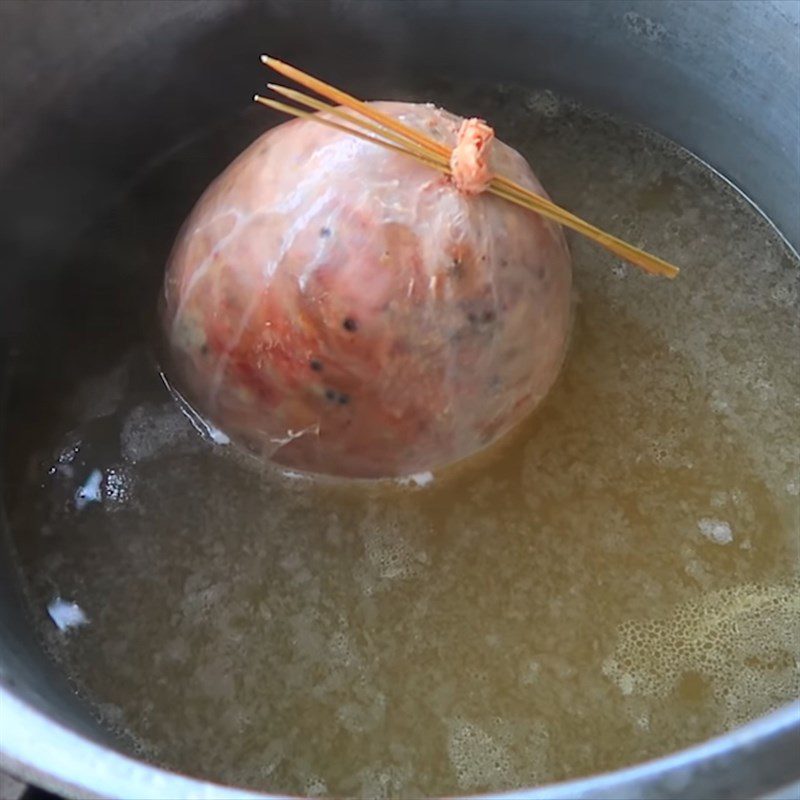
(90, 92)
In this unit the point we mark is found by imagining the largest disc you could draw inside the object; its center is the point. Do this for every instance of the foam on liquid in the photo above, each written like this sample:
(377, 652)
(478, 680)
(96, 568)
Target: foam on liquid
(617, 580)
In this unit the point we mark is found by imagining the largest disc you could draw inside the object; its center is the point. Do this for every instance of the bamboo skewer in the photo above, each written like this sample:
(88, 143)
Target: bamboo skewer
(318, 105)
(393, 134)
(338, 96)
(296, 112)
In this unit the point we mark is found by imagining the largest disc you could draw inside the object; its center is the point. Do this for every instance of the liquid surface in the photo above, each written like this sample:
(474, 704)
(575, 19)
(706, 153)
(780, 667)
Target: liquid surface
(616, 580)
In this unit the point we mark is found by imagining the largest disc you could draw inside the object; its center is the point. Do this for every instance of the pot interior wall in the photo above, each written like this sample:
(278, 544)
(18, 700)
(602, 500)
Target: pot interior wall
(93, 92)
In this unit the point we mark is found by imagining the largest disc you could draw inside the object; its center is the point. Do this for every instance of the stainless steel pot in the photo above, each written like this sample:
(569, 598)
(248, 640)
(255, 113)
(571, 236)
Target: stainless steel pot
(719, 77)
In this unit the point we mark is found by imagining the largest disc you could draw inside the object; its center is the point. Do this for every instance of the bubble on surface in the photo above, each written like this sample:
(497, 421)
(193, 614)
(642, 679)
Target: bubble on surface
(68, 453)
(478, 761)
(387, 549)
(744, 642)
(63, 465)
(117, 486)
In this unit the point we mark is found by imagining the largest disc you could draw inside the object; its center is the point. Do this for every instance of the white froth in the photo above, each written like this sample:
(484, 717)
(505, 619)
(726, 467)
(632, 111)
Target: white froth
(417, 479)
(91, 491)
(66, 614)
(715, 530)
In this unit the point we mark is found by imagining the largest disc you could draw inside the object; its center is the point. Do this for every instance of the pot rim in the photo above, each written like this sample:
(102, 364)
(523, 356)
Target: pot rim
(757, 756)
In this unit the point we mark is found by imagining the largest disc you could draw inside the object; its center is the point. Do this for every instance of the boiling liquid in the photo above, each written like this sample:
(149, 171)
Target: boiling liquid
(616, 580)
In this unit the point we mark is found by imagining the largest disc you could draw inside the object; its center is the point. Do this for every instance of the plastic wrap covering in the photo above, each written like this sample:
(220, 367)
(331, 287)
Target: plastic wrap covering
(344, 309)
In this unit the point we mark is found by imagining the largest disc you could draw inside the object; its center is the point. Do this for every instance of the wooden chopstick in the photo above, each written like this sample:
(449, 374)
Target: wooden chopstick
(412, 142)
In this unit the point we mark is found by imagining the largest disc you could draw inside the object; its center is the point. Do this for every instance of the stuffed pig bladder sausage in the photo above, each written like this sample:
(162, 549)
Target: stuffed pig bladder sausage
(344, 309)
(348, 310)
